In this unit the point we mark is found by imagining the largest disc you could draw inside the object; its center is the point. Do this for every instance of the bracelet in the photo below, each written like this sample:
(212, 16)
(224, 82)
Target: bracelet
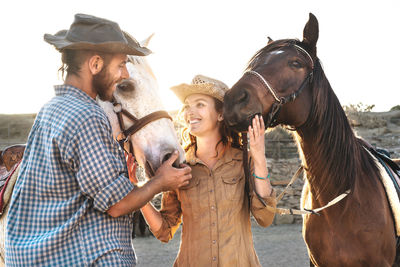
(262, 178)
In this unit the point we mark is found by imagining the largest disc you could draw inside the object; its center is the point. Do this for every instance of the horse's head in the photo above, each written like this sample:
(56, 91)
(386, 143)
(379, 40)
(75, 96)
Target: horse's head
(277, 75)
(156, 140)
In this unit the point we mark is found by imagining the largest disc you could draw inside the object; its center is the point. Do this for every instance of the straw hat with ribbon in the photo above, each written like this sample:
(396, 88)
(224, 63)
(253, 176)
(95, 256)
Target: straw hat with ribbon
(201, 85)
(97, 34)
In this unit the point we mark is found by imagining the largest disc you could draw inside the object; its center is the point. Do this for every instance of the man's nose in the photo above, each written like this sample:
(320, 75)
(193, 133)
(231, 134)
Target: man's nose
(125, 73)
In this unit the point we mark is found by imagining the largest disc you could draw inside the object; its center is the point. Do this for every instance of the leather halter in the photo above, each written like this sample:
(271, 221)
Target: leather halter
(280, 101)
(137, 123)
(272, 119)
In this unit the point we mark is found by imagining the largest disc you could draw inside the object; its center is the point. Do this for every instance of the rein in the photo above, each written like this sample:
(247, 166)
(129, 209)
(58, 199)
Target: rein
(271, 122)
(137, 123)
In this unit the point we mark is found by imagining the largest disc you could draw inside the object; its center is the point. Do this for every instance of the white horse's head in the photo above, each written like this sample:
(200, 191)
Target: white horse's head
(138, 95)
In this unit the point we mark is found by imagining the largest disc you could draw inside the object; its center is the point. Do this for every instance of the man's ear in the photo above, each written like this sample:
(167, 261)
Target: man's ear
(95, 64)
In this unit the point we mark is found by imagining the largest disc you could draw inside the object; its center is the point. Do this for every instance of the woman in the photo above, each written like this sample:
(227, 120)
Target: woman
(213, 208)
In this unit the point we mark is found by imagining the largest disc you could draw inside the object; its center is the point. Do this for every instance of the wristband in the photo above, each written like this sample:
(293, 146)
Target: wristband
(262, 178)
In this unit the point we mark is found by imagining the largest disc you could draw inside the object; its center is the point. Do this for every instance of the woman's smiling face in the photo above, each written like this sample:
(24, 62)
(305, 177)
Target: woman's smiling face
(200, 114)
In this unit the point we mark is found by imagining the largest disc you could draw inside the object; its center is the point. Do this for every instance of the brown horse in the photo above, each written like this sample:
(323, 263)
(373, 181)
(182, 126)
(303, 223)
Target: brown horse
(285, 83)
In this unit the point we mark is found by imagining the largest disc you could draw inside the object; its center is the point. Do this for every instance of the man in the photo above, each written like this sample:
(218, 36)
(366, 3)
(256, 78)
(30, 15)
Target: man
(72, 202)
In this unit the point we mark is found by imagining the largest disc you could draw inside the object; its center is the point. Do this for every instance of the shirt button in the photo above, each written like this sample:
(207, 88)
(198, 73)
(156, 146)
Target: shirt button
(213, 224)
(212, 207)
(214, 241)
(211, 190)
(214, 258)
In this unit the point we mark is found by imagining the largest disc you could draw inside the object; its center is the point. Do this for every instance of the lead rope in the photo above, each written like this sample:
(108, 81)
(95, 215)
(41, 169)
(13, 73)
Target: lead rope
(246, 168)
(280, 211)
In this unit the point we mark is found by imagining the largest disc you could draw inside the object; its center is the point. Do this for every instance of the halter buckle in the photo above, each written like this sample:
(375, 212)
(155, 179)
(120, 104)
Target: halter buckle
(117, 107)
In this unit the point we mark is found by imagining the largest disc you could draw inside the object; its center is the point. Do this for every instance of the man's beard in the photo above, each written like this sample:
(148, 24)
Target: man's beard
(103, 84)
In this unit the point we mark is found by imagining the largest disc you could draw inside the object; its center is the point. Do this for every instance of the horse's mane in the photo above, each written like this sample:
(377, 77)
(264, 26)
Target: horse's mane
(344, 158)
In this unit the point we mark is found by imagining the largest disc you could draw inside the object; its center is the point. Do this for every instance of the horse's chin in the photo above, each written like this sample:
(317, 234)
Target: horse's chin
(240, 127)
(244, 124)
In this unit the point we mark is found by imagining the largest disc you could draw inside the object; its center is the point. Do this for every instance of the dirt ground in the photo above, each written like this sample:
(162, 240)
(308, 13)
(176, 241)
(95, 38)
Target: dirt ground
(281, 246)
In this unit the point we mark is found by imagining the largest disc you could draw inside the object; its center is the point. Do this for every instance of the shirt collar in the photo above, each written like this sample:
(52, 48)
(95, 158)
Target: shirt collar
(230, 155)
(65, 89)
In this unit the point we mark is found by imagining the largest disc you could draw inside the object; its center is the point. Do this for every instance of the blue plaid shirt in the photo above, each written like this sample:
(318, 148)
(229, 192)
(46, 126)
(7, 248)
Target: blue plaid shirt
(71, 173)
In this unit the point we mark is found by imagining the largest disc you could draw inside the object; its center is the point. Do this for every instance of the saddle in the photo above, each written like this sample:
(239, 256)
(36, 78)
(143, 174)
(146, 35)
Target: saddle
(391, 166)
(9, 162)
(390, 178)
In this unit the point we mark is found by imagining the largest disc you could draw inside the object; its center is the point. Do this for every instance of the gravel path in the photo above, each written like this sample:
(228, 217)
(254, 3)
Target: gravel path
(280, 246)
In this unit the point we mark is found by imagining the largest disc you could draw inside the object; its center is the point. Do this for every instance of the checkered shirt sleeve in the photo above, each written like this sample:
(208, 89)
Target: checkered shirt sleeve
(94, 156)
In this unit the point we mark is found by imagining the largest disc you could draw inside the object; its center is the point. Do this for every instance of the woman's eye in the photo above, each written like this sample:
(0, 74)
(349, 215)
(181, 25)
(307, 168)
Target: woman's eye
(295, 64)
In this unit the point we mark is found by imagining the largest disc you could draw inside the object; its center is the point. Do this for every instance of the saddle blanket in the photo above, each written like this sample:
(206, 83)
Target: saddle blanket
(7, 185)
(390, 188)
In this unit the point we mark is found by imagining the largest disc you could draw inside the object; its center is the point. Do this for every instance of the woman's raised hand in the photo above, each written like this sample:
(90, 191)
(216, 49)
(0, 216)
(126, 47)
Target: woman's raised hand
(257, 140)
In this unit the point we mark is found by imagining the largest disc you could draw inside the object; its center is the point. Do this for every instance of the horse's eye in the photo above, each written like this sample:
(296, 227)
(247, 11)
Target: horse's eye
(295, 64)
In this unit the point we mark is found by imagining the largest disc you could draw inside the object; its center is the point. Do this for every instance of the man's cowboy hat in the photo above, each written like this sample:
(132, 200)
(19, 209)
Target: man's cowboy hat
(92, 33)
(201, 85)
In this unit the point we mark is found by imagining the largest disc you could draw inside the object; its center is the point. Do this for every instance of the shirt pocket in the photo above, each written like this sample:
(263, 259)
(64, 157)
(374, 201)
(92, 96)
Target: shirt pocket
(233, 186)
(190, 194)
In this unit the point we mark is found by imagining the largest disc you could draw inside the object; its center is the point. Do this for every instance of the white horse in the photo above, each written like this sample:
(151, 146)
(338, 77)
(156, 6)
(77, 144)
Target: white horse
(152, 144)
(138, 95)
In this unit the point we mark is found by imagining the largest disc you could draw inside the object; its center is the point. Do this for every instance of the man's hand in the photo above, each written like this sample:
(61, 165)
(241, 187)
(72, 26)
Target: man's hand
(171, 178)
(166, 178)
(132, 165)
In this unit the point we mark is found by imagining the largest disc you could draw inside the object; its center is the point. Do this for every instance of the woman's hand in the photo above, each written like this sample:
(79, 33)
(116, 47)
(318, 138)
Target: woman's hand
(257, 139)
(257, 151)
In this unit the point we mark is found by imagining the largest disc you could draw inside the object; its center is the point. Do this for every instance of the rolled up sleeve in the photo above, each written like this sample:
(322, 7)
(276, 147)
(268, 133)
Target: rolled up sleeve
(112, 193)
(171, 214)
(263, 215)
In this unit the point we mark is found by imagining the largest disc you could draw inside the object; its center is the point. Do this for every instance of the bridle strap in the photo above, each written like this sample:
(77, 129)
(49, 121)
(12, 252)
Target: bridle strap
(271, 120)
(137, 123)
(140, 123)
(279, 101)
(265, 83)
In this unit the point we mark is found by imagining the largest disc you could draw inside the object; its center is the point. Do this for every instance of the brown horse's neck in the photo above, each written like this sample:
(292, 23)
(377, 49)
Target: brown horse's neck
(331, 152)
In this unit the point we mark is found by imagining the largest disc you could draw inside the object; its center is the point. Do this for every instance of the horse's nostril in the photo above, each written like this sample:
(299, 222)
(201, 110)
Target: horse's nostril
(166, 157)
(121, 86)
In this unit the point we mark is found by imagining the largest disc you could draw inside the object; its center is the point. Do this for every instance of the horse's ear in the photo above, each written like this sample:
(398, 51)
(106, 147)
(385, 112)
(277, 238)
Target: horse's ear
(270, 40)
(146, 41)
(310, 33)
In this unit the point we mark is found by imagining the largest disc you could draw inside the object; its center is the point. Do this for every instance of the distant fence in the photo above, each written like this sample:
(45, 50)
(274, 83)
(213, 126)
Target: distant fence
(14, 129)
(284, 148)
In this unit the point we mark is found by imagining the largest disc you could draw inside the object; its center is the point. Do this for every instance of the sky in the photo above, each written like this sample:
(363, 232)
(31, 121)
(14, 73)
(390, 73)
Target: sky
(358, 44)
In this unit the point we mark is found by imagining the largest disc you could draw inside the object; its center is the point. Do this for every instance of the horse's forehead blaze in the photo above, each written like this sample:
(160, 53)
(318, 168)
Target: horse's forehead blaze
(278, 56)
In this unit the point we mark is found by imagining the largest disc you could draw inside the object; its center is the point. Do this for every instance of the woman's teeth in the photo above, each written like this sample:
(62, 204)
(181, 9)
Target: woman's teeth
(194, 121)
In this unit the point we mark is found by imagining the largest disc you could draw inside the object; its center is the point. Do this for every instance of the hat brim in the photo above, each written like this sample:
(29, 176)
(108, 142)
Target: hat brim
(183, 90)
(61, 43)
